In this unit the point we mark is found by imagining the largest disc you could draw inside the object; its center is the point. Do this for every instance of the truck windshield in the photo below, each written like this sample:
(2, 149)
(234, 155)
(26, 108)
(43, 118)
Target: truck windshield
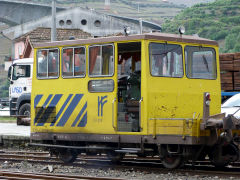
(20, 71)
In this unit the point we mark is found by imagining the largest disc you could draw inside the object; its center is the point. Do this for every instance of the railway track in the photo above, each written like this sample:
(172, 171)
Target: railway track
(45, 157)
(129, 162)
(20, 175)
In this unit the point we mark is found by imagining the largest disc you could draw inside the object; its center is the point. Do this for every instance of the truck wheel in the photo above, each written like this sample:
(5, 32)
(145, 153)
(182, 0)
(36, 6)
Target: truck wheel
(25, 110)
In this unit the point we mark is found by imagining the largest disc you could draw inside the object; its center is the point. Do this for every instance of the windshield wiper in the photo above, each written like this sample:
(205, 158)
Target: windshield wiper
(205, 62)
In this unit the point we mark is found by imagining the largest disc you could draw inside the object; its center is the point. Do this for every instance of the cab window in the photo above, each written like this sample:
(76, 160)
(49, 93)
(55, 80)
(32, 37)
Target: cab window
(73, 62)
(21, 71)
(48, 63)
(165, 60)
(106, 85)
(200, 62)
(101, 60)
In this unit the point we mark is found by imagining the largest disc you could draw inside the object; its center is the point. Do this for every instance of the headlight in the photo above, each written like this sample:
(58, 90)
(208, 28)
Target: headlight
(127, 30)
(181, 30)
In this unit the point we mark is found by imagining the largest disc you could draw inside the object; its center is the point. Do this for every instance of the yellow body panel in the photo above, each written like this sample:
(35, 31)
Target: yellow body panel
(67, 87)
(179, 98)
(167, 103)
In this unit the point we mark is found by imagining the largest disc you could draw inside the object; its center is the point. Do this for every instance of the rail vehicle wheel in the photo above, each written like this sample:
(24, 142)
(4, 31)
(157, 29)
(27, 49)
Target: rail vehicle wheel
(171, 161)
(115, 157)
(221, 156)
(67, 156)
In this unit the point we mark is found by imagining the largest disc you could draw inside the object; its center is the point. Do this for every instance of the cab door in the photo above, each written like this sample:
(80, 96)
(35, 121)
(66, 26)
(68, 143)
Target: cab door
(129, 86)
(21, 77)
(102, 89)
(20, 83)
(167, 88)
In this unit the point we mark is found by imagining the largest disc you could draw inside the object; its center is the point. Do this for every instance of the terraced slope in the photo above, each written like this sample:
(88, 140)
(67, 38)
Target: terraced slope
(218, 21)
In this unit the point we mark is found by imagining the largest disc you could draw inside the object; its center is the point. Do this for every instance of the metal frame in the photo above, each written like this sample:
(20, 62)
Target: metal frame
(155, 36)
(150, 64)
(119, 138)
(47, 49)
(215, 60)
(74, 47)
(101, 45)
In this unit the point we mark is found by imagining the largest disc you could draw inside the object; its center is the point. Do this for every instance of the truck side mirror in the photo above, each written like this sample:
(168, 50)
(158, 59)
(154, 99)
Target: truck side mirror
(9, 73)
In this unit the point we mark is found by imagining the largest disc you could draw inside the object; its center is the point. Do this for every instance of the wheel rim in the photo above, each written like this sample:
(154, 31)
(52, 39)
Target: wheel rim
(172, 162)
(26, 113)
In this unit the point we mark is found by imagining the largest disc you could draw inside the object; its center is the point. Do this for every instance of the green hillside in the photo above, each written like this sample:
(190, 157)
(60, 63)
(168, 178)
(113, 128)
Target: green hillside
(219, 21)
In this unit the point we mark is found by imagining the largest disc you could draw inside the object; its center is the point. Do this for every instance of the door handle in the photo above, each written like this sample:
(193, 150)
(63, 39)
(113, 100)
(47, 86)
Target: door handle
(113, 120)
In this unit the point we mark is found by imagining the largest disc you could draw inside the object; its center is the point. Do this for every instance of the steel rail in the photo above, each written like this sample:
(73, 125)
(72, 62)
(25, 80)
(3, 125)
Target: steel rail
(24, 155)
(200, 168)
(45, 176)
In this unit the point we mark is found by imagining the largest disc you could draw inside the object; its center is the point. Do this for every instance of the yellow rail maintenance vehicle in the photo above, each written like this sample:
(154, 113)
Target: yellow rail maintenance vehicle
(147, 94)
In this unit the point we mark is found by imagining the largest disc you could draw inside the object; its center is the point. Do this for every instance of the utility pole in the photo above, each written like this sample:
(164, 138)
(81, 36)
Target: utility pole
(53, 29)
(140, 24)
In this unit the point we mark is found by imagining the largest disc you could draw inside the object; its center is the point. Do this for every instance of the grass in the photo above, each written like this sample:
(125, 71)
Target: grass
(6, 119)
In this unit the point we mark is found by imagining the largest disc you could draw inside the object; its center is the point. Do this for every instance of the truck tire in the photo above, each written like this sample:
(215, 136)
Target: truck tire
(25, 110)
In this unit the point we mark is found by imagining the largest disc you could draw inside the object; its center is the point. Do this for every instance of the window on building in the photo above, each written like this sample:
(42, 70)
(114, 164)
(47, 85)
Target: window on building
(165, 60)
(97, 23)
(101, 60)
(48, 63)
(200, 62)
(84, 22)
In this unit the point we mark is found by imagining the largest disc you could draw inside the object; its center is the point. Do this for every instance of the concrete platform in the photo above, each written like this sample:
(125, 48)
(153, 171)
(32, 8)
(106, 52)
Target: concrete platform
(11, 134)
(11, 129)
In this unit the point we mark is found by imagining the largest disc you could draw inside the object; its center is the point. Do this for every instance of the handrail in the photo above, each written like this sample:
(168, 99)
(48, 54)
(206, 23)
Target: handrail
(140, 104)
(113, 102)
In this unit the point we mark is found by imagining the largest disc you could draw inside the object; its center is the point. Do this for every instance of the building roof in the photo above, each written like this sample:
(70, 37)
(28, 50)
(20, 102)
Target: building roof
(149, 36)
(41, 34)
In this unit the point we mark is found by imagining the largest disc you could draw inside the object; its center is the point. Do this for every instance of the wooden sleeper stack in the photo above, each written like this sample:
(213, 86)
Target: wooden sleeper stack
(230, 71)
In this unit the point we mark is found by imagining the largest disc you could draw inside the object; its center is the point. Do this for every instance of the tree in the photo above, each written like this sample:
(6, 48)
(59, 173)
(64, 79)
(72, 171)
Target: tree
(230, 42)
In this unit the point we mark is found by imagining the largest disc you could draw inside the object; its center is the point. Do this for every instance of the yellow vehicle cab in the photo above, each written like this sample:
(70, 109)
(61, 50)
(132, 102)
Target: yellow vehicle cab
(147, 94)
